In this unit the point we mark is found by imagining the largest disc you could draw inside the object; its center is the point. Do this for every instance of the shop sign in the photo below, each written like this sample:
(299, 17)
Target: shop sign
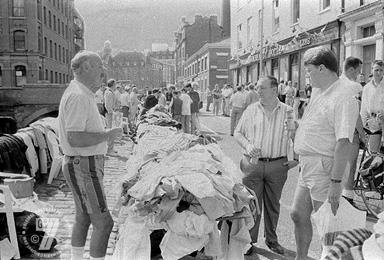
(305, 42)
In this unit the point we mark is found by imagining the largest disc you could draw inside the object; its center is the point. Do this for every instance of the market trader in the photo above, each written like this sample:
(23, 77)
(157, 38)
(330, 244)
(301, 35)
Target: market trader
(84, 143)
(261, 133)
(323, 142)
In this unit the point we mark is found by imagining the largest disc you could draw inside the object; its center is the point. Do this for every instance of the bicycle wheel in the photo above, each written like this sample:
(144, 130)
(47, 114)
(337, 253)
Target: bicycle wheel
(373, 200)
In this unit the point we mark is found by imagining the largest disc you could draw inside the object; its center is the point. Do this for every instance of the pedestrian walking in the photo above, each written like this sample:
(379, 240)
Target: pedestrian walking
(227, 93)
(176, 106)
(323, 142)
(111, 105)
(134, 105)
(125, 105)
(99, 97)
(238, 104)
(162, 98)
(186, 111)
(83, 140)
(195, 123)
(209, 99)
(261, 133)
(217, 97)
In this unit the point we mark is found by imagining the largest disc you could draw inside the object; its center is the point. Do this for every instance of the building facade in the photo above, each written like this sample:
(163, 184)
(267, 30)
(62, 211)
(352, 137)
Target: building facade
(167, 60)
(279, 41)
(37, 41)
(191, 37)
(209, 65)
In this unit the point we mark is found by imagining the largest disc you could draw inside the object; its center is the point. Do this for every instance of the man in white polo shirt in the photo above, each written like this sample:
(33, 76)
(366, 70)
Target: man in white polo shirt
(84, 143)
(323, 142)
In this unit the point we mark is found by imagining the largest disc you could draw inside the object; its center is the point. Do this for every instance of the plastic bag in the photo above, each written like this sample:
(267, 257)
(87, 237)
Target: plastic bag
(330, 226)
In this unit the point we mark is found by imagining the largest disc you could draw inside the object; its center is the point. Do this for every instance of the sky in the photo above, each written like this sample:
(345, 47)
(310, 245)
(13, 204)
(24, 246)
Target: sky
(136, 24)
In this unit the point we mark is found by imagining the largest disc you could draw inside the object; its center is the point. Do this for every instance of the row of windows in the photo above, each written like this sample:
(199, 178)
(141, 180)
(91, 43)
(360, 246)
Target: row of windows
(55, 23)
(196, 67)
(56, 51)
(19, 7)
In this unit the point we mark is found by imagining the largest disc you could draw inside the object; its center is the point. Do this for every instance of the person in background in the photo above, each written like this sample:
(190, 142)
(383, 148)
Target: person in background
(217, 96)
(111, 105)
(296, 100)
(323, 142)
(162, 98)
(186, 111)
(99, 97)
(251, 96)
(289, 94)
(351, 70)
(227, 93)
(134, 105)
(169, 93)
(308, 91)
(125, 105)
(261, 133)
(238, 103)
(195, 123)
(361, 79)
(209, 99)
(118, 91)
(176, 106)
(83, 141)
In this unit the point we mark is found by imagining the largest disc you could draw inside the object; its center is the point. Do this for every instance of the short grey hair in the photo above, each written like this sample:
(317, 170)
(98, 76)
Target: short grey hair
(80, 58)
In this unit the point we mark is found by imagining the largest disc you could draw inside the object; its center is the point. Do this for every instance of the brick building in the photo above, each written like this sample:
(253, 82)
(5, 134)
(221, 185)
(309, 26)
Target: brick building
(37, 41)
(209, 65)
(167, 60)
(191, 37)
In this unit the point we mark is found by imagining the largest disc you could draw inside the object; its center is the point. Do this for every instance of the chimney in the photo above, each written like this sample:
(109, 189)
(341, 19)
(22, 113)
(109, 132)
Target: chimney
(226, 17)
(198, 18)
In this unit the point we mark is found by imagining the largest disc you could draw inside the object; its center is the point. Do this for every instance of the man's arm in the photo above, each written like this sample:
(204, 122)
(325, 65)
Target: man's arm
(85, 139)
(364, 107)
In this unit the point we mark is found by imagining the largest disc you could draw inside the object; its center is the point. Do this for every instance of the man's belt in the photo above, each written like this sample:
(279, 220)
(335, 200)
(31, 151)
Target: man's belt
(264, 159)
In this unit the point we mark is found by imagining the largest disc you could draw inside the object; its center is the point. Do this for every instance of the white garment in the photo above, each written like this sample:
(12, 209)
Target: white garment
(372, 100)
(78, 112)
(125, 99)
(331, 115)
(99, 97)
(186, 107)
(30, 153)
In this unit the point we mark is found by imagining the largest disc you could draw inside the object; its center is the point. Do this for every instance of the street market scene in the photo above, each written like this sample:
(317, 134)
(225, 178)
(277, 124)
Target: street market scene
(192, 129)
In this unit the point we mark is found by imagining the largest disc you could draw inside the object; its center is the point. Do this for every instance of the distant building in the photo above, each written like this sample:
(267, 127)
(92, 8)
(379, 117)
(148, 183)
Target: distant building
(38, 40)
(167, 60)
(209, 65)
(191, 37)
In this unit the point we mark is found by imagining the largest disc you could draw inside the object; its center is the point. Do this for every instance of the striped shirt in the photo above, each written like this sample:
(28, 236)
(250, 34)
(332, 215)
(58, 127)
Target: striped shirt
(331, 115)
(264, 131)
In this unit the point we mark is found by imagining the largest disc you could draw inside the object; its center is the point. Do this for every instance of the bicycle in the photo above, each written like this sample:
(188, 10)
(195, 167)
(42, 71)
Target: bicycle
(369, 182)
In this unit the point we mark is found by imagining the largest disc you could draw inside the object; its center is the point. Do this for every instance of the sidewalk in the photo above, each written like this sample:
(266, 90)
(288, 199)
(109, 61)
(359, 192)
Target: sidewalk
(58, 195)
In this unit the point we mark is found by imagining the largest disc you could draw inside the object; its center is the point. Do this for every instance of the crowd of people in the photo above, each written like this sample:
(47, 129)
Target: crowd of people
(325, 139)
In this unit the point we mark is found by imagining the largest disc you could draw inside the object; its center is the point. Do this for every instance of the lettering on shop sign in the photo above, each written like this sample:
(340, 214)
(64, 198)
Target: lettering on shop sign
(305, 42)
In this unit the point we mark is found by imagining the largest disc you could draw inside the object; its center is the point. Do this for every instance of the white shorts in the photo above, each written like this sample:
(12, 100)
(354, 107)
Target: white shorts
(315, 175)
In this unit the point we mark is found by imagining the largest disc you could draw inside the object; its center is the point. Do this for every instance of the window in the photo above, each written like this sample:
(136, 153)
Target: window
(45, 46)
(1, 78)
(59, 77)
(249, 31)
(40, 42)
(45, 15)
(361, 2)
(19, 40)
(59, 52)
(325, 4)
(276, 15)
(18, 7)
(295, 11)
(20, 75)
(39, 10)
(63, 53)
(50, 19)
(55, 51)
(239, 44)
(41, 73)
(66, 56)
(51, 76)
(66, 31)
(62, 28)
(56, 78)
(368, 31)
(58, 26)
(50, 49)
(46, 75)
(54, 23)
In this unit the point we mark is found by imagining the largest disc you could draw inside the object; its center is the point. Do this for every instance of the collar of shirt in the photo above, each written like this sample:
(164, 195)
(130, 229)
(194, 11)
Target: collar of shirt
(85, 89)
(276, 108)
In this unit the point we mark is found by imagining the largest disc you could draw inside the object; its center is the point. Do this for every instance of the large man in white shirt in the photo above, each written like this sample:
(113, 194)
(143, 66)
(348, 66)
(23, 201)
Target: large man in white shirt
(323, 142)
(186, 111)
(84, 144)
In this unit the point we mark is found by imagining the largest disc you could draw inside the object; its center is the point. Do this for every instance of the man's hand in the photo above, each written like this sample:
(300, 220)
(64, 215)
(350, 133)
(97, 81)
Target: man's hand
(291, 164)
(253, 151)
(114, 133)
(334, 194)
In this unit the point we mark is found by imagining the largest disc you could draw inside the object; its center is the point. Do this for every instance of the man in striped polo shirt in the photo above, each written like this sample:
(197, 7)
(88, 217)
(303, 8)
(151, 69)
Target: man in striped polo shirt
(262, 135)
(323, 142)
(84, 143)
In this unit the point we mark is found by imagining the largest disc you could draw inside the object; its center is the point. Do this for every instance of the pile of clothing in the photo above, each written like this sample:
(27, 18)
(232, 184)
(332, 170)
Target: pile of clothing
(185, 185)
(33, 150)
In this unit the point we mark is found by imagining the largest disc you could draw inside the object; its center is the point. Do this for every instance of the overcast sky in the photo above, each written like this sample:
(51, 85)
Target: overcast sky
(136, 24)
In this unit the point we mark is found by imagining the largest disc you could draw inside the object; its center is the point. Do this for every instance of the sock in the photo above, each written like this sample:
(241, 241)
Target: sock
(348, 193)
(97, 258)
(77, 253)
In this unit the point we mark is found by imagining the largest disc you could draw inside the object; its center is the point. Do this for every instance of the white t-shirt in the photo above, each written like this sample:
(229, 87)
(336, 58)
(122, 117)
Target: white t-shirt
(125, 99)
(331, 115)
(186, 107)
(78, 112)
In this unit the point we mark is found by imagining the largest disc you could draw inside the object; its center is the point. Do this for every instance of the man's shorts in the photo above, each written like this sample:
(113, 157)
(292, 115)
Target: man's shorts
(84, 175)
(315, 175)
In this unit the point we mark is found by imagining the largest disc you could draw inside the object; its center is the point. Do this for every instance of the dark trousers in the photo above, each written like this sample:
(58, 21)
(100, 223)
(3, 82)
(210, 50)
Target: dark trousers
(267, 180)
